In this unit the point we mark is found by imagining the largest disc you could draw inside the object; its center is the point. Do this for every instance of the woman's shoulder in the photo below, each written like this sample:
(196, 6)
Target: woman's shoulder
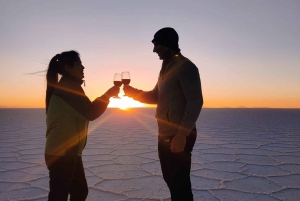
(67, 86)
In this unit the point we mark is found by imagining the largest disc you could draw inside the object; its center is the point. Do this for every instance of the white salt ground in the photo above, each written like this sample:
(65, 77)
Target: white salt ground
(239, 155)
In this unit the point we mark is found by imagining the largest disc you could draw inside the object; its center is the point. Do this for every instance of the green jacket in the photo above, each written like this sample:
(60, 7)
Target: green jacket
(68, 116)
(178, 96)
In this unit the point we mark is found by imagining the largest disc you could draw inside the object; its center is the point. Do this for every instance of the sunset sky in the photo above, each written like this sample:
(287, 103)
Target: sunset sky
(247, 52)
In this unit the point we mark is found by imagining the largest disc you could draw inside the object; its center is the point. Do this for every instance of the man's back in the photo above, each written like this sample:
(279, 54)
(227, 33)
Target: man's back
(179, 92)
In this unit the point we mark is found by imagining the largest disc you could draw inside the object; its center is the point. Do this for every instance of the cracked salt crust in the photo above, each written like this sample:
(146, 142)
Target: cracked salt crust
(238, 155)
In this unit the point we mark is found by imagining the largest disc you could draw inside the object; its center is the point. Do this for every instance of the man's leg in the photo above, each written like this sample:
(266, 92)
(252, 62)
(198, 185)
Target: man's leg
(176, 168)
(180, 173)
(79, 188)
(163, 153)
(181, 189)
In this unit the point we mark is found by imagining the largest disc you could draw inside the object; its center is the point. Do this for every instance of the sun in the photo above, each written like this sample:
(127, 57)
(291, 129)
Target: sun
(124, 103)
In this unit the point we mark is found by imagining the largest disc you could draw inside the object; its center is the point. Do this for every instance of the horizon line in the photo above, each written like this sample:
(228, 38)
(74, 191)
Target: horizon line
(155, 107)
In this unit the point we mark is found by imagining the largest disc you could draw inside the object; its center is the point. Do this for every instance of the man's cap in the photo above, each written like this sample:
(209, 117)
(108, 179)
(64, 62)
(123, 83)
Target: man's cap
(167, 37)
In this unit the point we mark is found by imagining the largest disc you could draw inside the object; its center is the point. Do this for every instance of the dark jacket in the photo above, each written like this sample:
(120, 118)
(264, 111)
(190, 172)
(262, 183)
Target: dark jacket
(68, 115)
(178, 96)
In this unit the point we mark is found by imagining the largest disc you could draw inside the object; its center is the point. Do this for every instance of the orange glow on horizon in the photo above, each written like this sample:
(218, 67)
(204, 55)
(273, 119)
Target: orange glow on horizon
(124, 103)
(22, 101)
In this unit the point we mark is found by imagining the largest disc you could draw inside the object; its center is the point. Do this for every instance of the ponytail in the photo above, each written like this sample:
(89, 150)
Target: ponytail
(52, 78)
(56, 66)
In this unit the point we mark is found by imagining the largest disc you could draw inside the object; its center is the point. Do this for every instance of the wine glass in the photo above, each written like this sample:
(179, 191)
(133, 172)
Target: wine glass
(125, 78)
(117, 81)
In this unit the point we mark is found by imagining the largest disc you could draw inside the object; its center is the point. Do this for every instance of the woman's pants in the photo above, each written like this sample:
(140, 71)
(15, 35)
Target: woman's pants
(67, 176)
(176, 167)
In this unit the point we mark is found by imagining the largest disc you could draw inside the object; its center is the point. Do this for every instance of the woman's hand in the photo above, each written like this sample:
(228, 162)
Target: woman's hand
(114, 91)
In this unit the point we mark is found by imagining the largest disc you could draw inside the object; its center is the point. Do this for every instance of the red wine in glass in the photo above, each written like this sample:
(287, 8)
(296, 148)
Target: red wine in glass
(126, 81)
(117, 81)
(125, 78)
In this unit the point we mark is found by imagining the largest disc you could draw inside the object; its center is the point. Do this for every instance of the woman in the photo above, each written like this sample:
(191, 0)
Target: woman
(68, 112)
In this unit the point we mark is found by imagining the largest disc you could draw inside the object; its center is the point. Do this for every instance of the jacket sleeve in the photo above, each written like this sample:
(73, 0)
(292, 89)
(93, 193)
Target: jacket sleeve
(76, 98)
(96, 108)
(189, 79)
(149, 97)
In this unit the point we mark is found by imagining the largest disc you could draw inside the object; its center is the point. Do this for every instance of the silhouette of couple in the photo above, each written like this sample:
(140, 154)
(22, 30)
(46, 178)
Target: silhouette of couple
(177, 94)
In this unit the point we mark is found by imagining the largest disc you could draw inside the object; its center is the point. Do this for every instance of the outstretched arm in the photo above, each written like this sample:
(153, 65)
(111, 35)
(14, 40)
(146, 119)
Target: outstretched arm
(96, 108)
(149, 97)
(99, 105)
(74, 96)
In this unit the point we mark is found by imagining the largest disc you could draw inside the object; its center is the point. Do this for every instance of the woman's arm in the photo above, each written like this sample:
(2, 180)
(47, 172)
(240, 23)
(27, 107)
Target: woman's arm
(76, 98)
(96, 108)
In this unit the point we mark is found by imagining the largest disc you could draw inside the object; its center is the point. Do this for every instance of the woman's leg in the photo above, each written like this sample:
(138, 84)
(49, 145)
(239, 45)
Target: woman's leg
(61, 170)
(79, 188)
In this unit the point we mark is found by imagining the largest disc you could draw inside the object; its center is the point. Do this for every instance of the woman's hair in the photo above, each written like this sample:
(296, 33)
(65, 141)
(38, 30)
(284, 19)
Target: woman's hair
(57, 66)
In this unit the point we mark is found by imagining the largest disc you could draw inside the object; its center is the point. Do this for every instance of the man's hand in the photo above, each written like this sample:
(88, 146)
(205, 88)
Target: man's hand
(114, 91)
(178, 143)
(129, 91)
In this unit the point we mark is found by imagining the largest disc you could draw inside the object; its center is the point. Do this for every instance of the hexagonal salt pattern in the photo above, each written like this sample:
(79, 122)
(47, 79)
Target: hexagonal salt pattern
(240, 154)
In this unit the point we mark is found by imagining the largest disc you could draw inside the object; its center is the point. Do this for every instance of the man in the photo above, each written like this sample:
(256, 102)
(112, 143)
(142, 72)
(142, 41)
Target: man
(179, 101)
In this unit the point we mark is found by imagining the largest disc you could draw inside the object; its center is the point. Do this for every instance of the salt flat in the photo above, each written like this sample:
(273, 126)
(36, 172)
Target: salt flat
(240, 154)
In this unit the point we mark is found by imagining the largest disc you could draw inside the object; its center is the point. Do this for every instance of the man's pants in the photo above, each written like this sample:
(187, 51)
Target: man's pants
(66, 177)
(176, 167)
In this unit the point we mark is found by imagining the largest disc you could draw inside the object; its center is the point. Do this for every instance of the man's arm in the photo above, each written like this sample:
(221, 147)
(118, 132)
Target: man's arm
(149, 97)
(191, 87)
